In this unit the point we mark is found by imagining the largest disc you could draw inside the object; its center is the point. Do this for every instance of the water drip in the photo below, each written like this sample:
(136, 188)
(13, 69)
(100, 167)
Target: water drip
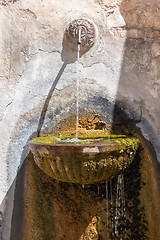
(80, 34)
(98, 189)
(77, 89)
(120, 207)
(107, 205)
(111, 206)
(115, 208)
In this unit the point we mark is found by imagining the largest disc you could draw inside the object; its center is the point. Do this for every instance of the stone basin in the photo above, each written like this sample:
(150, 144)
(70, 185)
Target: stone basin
(90, 160)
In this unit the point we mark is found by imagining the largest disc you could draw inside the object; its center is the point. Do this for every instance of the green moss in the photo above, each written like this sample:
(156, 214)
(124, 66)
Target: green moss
(95, 136)
(87, 139)
(127, 141)
(45, 139)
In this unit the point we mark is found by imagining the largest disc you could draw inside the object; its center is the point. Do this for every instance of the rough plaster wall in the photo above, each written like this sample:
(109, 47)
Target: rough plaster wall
(123, 65)
(32, 39)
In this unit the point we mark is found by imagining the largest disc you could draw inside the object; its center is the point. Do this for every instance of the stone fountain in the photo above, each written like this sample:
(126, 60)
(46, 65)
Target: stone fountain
(90, 160)
(84, 159)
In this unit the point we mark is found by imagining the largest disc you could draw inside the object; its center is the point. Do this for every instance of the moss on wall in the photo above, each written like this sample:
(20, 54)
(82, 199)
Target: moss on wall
(56, 210)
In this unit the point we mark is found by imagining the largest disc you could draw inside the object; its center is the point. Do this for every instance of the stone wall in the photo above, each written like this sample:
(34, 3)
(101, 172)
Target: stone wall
(38, 74)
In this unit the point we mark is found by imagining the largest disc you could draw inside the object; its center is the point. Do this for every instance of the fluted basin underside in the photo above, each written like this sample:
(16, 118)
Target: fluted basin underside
(90, 160)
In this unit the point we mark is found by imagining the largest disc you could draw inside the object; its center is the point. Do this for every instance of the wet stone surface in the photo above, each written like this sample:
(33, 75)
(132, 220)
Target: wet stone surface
(56, 210)
(97, 159)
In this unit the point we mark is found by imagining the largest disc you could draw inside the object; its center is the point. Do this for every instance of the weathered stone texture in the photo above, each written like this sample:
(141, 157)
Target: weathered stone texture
(136, 13)
(38, 71)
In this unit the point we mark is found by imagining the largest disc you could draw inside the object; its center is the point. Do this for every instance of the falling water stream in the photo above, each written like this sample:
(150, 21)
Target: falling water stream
(107, 198)
(118, 213)
(77, 90)
(115, 207)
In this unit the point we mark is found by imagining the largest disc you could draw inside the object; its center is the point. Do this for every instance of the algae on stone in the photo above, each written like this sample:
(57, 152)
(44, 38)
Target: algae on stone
(88, 139)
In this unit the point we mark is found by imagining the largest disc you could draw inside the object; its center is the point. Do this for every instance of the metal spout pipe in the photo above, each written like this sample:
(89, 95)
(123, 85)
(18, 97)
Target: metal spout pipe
(79, 34)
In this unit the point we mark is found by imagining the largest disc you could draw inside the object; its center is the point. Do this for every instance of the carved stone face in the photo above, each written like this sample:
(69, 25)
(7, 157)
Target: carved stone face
(88, 34)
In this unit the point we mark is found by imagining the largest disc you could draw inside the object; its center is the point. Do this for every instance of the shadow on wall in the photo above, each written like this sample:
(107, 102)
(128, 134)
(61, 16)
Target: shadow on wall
(137, 96)
(18, 223)
(53, 210)
(139, 90)
(29, 217)
(68, 56)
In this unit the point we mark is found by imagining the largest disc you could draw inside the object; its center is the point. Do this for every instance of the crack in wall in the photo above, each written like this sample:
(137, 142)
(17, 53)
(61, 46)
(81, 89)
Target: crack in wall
(30, 56)
(9, 103)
